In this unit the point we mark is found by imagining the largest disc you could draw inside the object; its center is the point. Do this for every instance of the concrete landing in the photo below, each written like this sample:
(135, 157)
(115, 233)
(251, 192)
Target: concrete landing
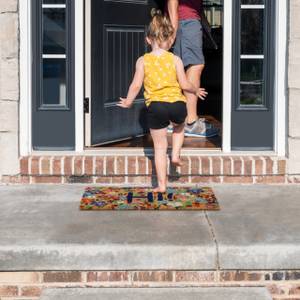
(41, 228)
(258, 227)
(244, 293)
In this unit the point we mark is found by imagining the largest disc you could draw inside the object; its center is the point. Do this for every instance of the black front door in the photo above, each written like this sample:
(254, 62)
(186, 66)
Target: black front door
(117, 40)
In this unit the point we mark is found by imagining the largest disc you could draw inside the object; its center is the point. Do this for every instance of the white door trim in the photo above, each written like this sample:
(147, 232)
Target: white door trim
(227, 78)
(25, 123)
(79, 75)
(87, 116)
(281, 78)
(25, 78)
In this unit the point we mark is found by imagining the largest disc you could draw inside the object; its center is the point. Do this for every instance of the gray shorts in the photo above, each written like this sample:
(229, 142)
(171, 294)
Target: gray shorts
(189, 42)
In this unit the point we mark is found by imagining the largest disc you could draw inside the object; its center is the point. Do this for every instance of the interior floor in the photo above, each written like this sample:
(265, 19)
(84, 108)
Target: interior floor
(189, 142)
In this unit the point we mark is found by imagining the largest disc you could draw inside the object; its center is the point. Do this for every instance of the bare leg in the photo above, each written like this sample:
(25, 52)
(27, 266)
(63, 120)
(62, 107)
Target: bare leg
(160, 142)
(193, 74)
(177, 142)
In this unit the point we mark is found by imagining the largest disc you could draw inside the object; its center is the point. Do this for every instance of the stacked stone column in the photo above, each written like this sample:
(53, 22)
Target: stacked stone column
(294, 88)
(9, 87)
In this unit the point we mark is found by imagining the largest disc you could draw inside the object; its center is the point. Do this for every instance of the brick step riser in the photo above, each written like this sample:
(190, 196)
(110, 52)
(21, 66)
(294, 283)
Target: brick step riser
(21, 285)
(140, 170)
(140, 165)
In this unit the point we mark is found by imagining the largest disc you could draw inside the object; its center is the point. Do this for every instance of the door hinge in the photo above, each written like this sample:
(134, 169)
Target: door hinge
(86, 105)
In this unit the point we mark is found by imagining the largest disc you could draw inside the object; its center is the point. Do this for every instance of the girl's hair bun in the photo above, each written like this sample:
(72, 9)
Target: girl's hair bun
(160, 27)
(155, 12)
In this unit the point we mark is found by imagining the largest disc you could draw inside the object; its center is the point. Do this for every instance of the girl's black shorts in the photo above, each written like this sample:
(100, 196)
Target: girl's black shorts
(160, 114)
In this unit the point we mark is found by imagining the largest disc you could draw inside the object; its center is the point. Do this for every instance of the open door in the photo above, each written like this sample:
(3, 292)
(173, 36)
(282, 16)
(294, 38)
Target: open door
(116, 38)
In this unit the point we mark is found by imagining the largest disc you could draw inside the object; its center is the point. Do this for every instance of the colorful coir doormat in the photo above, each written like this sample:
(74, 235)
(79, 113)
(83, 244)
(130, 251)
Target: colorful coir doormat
(138, 198)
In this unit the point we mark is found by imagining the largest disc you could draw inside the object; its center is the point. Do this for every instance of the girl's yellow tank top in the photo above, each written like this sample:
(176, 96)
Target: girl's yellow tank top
(160, 79)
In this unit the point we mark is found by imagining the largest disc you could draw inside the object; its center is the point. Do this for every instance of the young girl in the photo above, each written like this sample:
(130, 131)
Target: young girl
(163, 76)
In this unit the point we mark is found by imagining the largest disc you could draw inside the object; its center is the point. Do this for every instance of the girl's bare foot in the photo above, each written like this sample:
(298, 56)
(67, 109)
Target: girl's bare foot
(177, 162)
(160, 189)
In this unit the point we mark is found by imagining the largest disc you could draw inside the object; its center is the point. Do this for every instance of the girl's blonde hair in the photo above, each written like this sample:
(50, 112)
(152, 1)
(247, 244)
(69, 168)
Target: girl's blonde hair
(160, 28)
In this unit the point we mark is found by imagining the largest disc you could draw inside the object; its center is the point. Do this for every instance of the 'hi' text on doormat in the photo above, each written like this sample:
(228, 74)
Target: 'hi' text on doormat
(139, 198)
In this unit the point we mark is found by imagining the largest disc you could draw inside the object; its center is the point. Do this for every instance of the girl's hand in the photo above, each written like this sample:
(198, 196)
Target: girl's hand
(201, 93)
(125, 103)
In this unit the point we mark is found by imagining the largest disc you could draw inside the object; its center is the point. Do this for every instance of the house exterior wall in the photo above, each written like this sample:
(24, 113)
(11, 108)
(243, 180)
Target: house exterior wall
(10, 90)
(9, 87)
(294, 89)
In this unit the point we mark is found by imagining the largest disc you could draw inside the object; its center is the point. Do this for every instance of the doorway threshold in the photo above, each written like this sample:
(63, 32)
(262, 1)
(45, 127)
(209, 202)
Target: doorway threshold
(140, 151)
(146, 151)
(184, 152)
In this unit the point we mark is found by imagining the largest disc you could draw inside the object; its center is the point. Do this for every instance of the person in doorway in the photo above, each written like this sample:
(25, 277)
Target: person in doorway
(185, 16)
(163, 76)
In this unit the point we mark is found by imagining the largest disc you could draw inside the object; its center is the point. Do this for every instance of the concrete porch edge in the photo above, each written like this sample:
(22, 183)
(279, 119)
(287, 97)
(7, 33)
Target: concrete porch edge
(208, 293)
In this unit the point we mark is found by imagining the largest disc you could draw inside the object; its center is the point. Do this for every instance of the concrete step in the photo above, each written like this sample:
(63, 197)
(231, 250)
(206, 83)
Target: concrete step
(207, 293)
(42, 228)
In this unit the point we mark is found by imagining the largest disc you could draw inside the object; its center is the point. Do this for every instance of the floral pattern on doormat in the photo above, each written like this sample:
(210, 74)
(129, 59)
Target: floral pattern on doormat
(140, 198)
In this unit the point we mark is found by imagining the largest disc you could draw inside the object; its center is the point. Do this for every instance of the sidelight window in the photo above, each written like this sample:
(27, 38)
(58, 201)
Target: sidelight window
(54, 56)
(253, 44)
(53, 76)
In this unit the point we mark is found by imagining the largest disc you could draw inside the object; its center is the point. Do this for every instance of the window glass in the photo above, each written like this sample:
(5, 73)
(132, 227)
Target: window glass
(246, 2)
(252, 53)
(252, 70)
(54, 31)
(252, 31)
(54, 54)
(54, 2)
(54, 82)
(251, 94)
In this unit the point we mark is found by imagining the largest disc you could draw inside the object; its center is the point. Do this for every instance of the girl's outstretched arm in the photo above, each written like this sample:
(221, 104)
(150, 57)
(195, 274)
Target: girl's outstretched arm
(135, 85)
(184, 83)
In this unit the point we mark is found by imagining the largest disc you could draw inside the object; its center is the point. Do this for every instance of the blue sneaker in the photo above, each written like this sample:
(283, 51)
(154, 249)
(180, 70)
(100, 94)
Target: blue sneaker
(201, 128)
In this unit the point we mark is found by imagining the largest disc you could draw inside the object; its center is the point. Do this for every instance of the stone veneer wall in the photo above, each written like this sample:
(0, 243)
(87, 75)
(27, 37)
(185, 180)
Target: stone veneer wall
(9, 87)
(294, 88)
